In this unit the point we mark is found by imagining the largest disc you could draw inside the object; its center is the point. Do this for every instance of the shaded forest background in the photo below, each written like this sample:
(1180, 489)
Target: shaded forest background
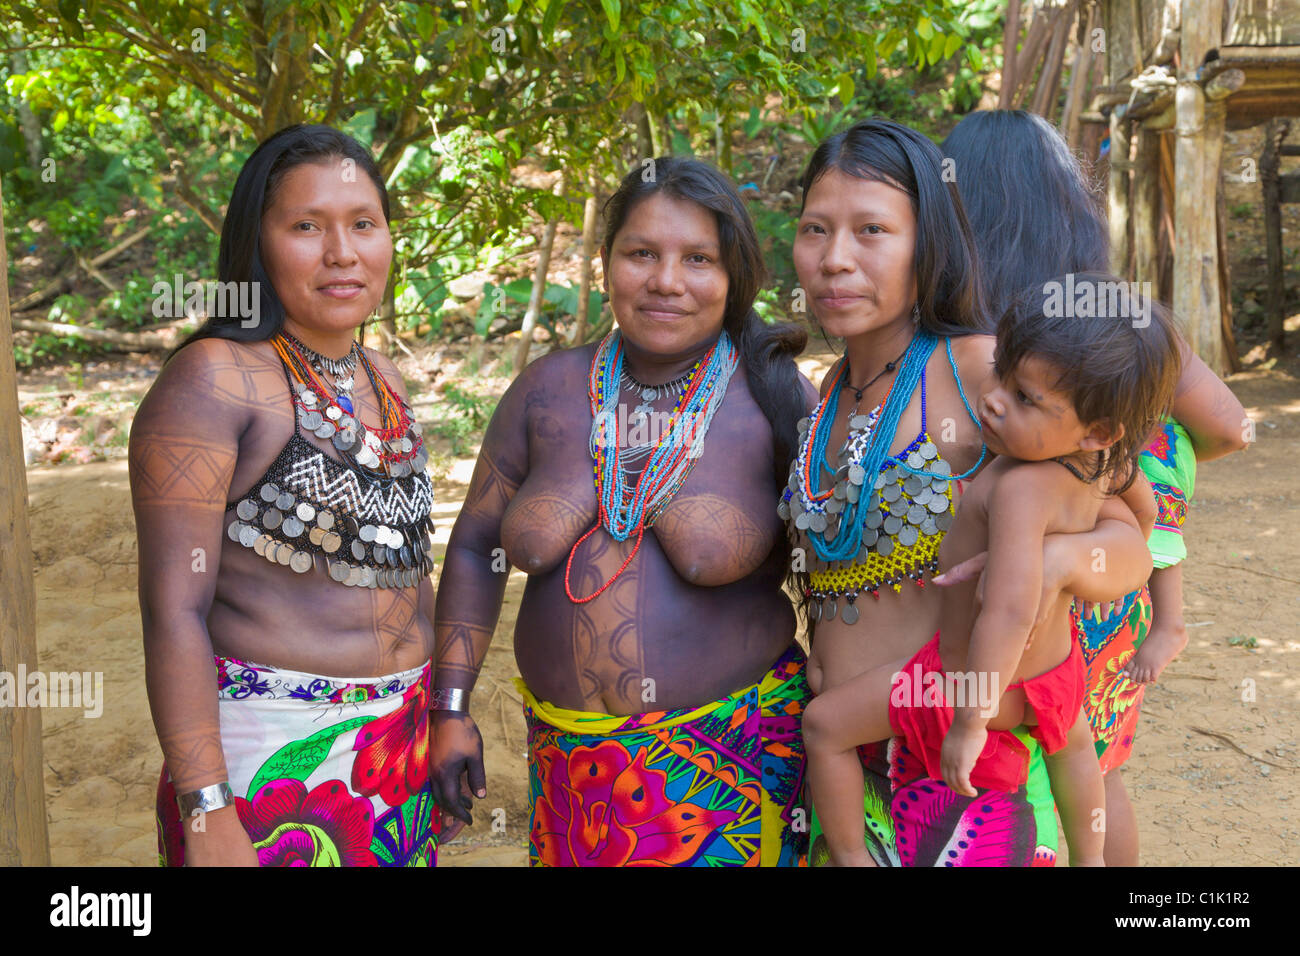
(500, 127)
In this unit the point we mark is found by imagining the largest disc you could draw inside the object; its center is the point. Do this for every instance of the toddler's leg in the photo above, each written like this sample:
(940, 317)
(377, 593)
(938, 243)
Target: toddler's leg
(834, 724)
(1168, 635)
(1080, 795)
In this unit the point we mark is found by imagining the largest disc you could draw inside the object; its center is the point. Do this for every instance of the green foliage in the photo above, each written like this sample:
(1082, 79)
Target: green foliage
(465, 414)
(150, 108)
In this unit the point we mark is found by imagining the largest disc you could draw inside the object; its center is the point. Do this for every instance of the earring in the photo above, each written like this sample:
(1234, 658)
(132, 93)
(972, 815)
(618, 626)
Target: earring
(916, 313)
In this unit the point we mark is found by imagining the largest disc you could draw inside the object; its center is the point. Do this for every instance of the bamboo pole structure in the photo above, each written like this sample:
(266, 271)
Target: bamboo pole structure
(1197, 153)
(1079, 88)
(1010, 37)
(24, 838)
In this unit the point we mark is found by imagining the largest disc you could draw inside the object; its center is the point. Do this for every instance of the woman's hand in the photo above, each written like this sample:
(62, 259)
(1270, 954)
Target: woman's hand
(455, 768)
(1060, 560)
(218, 838)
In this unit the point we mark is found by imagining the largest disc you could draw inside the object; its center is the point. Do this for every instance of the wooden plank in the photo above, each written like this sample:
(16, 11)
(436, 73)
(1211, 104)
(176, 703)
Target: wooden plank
(24, 838)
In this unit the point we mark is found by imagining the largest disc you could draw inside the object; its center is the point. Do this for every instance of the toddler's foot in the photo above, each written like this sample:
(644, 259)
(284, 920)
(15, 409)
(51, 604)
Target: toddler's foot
(1162, 645)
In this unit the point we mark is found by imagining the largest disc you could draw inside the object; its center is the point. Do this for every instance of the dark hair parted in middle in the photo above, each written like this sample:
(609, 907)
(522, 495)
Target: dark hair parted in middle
(239, 257)
(1029, 205)
(1116, 350)
(767, 350)
(948, 289)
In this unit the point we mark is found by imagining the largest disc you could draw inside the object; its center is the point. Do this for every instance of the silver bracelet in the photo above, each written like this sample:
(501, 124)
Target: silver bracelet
(206, 799)
(449, 698)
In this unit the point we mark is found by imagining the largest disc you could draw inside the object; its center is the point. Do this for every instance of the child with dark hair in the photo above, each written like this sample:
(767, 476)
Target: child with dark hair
(1075, 394)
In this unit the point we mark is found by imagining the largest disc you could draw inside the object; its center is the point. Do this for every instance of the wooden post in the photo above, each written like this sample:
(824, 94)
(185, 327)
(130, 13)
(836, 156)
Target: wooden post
(1119, 24)
(1270, 167)
(1146, 206)
(1049, 80)
(1225, 282)
(1197, 153)
(24, 838)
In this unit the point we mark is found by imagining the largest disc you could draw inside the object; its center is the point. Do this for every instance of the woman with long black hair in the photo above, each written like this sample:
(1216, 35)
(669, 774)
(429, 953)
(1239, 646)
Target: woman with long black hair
(282, 513)
(632, 480)
(1034, 217)
(886, 258)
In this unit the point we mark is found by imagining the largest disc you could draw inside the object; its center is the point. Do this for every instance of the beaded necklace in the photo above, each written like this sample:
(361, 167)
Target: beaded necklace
(395, 448)
(865, 453)
(626, 509)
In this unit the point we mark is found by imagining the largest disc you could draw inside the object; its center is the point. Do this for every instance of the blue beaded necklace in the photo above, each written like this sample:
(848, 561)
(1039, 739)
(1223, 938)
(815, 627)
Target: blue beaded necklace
(848, 536)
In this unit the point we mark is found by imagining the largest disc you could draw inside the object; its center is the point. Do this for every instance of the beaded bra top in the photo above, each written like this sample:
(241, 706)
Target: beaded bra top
(309, 509)
(910, 510)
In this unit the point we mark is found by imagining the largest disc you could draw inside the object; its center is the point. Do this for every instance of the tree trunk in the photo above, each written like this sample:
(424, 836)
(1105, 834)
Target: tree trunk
(539, 287)
(645, 144)
(27, 121)
(388, 320)
(154, 340)
(579, 336)
(24, 838)
(1197, 155)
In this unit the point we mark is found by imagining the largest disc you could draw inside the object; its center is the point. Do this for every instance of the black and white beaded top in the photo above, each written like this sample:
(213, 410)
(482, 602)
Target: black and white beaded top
(366, 529)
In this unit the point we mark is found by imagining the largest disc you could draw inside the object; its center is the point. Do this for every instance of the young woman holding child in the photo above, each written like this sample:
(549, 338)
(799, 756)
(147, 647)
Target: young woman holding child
(1043, 407)
(885, 256)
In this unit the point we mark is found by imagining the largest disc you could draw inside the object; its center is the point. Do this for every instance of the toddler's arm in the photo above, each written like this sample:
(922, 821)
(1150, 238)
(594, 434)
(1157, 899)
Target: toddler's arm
(1019, 509)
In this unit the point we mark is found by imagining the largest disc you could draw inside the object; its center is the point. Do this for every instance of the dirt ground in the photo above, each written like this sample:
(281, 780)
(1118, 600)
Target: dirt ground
(1213, 776)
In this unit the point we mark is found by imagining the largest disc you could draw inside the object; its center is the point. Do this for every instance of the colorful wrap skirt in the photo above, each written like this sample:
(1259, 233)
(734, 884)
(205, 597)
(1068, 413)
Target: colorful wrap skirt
(1112, 702)
(1169, 461)
(915, 820)
(718, 785)
(326, 771)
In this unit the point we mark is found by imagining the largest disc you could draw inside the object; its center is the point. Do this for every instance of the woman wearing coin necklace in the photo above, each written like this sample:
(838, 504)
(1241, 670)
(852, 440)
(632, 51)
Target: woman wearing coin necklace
(884, 254)
(282, 511)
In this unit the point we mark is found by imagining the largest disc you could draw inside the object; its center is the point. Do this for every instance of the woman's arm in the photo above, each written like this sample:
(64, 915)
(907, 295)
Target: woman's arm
(1215, 420)
(1098, 566)
(470, 592)
(184, 444)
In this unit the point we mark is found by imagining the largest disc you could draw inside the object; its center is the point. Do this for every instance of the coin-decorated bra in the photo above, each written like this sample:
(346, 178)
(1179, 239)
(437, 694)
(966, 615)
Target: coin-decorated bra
(366, 528)
(908, 499)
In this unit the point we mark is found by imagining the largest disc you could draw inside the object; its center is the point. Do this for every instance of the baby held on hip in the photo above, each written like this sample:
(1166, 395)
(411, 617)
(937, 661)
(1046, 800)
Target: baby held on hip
(1007, 511)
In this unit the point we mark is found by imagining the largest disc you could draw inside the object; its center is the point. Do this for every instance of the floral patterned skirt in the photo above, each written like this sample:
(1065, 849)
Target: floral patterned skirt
(326, 771)
(1113, 701)
(718, 785)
